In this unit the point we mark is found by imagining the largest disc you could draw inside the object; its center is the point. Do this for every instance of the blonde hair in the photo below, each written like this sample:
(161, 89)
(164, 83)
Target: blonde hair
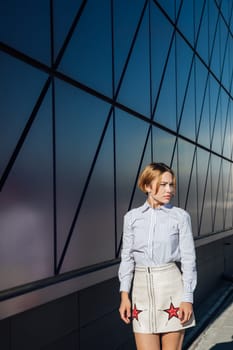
(154, 171)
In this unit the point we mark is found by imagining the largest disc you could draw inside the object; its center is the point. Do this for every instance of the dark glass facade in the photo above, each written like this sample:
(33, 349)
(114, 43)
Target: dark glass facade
(92, 91)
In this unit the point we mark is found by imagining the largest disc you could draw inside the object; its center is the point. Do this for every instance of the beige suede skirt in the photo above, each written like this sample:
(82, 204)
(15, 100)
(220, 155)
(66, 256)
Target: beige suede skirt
(156, 296)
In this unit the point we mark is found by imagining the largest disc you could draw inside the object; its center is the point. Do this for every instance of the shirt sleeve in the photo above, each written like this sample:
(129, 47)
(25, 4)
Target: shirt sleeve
(126, 267)
(188, 258)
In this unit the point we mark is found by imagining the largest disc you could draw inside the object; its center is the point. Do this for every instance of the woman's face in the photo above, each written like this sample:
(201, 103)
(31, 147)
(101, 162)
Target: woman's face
(165, 190)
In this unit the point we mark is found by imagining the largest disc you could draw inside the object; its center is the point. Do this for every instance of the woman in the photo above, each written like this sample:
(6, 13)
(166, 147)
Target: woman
(157, 238)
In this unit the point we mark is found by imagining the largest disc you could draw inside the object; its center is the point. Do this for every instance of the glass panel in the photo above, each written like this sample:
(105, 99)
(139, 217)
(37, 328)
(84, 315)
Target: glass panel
(202, 47)
(227, 150)
(184, 64)
(231, 22)
(224, 113)
(163, 146)
(216, 58)
(219, 208)
(20, 86)
(165, 113)
(198, 7)
(213, 19)
(218, 125)
(226, 7)
(228, 216)
(186, 159)
(174, 166)
(88, 57)
(131, 136)
(192, 203)
(26, 208)
(64, 13)
(204, 120)
(227, 67)
(80, 119)
(135, 88)
(215, 171)
(93, 237)
(169, 7)
(226, 187)
(206, 206)
(21, 27)
(159, 47)
(186, 20)
(214, 102)
(201, 95)
(224, 41)
(188, 119)
(139, 197)
(124, 31)
(202, 175)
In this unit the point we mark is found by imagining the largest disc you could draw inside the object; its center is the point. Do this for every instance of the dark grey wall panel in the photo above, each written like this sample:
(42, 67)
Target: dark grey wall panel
(98, 300)
(43, 325)
(5, 333)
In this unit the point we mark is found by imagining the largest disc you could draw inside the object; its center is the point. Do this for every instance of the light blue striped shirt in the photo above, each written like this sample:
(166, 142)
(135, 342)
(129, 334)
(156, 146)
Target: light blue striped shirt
(156, 236)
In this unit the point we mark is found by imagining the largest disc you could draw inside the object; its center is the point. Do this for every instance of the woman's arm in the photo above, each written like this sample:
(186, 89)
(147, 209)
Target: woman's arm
(126, 268)
(188, 258)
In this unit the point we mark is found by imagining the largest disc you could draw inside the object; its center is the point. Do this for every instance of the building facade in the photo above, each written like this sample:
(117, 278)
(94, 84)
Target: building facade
(92, 91)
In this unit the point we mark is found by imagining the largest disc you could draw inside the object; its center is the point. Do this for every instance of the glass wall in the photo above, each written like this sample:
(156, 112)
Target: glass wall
(91, 91)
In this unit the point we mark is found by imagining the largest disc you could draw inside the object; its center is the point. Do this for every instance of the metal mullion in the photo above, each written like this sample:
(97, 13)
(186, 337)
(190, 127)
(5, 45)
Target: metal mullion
(114, 132)
(150, 74)
(53, 141)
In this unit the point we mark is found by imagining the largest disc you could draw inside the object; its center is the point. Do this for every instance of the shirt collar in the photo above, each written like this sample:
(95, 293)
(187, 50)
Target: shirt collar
(147, 206)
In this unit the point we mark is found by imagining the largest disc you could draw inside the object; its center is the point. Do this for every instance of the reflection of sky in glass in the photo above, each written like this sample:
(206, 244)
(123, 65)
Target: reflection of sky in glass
(88, 56)
(21, 27)
(183, 72)
(64, 14)
(186, 155)
(186, 20)
(19, 91)
(165, 112)
(79, 124)
(124, 31)
(93, 238)
(135, 89)
(158, 56)
(26, 216)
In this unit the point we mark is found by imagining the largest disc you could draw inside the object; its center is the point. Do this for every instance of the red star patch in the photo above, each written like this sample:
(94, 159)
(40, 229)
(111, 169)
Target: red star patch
(172, 311)
(135, 312)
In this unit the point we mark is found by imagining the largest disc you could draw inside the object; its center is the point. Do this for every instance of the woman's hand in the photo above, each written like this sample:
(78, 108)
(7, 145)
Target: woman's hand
(125, 307)
(185, 312)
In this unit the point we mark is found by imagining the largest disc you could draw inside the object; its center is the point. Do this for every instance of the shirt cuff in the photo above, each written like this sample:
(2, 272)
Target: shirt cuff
(125, 286)
(188, 297)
